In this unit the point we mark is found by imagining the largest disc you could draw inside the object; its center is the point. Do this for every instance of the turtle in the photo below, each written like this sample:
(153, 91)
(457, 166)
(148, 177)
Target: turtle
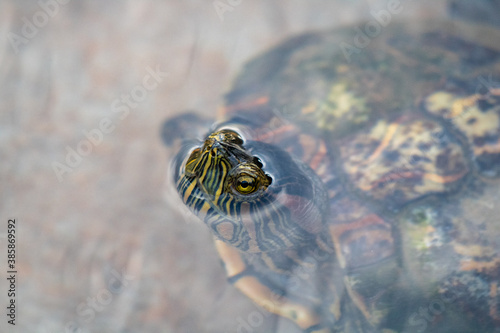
(351, 179)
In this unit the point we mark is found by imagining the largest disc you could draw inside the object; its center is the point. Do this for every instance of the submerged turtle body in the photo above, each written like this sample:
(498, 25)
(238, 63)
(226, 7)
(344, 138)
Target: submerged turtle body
(355, 189)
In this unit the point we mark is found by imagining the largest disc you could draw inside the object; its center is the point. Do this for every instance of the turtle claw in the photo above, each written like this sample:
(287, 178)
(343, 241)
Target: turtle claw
(250, 285)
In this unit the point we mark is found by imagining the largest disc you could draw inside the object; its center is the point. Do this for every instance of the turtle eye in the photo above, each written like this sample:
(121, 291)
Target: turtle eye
(230, 136)
(246, 184)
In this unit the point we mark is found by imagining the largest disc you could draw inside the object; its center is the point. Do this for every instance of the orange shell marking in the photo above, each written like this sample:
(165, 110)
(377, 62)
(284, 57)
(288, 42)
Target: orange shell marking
(408, 175)
(385, 142)
(472, 265)
(270, 134)
(246, 105)
(315, 162)
(493, 296)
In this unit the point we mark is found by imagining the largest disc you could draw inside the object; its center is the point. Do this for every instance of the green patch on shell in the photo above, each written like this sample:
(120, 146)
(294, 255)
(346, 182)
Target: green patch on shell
(420, 242)
(341, 107)
(420, 228)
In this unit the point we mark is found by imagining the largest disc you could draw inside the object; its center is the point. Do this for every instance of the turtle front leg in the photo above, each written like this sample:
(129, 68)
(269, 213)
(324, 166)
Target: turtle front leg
(250, 285)
(365, 249)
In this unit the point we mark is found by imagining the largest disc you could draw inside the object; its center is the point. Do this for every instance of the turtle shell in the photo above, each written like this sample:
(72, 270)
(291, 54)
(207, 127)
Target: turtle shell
(401, 126)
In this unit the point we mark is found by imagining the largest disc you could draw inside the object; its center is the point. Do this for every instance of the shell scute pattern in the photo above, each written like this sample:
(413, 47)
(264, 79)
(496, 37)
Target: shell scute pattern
(477, 118)
(391, 161)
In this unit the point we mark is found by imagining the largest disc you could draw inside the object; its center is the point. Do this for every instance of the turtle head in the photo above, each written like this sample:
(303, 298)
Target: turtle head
(252, 195)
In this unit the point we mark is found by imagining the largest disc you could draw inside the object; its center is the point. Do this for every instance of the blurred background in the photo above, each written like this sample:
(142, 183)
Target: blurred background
(102, 244)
